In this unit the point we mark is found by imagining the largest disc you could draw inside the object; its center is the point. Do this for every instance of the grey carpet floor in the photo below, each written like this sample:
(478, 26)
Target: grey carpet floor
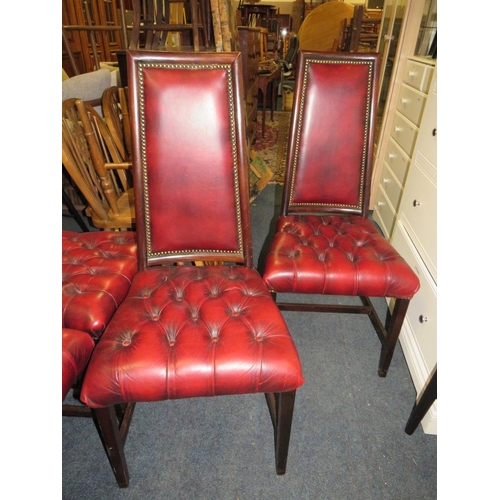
(348, 439)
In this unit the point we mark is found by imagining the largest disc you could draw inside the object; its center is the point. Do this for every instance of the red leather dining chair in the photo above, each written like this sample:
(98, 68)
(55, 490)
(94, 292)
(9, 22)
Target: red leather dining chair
(97, 270)
(325, 243)
(192, 331)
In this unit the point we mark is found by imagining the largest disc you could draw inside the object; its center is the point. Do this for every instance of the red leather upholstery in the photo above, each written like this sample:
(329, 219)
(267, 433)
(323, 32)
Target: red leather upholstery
(201, 331)
(183, 330)
(325, 243)
(336, 255)
(77, 347)
(97, 269)
(193, 331)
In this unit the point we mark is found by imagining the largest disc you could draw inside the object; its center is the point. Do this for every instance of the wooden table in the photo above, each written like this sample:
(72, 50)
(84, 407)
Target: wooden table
(264, 80)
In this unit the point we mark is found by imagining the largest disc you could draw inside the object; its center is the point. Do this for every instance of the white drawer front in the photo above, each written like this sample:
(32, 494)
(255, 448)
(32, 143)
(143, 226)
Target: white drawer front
(383, 213)
(427, 136)
(404, 133)
(418, 75)
(422, 311)
(392, 187)
(398, 160)
(418, 211)
(411, 104)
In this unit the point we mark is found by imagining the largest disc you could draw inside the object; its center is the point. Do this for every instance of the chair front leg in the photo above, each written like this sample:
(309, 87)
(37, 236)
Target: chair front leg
(107, 422)
(281, 408)
(393, 329)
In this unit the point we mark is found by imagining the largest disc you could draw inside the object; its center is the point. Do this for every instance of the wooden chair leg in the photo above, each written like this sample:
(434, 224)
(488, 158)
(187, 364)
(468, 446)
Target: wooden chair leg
(114, 442)
(422, 404)
(393, 329)
(281, 408)
(74, 212)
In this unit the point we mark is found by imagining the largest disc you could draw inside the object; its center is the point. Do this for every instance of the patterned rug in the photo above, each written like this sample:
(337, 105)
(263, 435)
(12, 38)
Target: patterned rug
(272, 149)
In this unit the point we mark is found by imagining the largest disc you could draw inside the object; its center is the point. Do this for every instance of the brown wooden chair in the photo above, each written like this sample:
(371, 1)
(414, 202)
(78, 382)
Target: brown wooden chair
(155, 20)
(93, 162)
(115, 111)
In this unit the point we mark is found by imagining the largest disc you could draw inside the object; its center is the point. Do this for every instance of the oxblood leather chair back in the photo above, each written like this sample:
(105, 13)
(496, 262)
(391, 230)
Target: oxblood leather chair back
(325, 243)
(183, 330)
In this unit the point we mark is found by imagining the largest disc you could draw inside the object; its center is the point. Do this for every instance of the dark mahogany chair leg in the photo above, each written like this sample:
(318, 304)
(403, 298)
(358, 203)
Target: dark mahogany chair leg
(422, 405)
(281, 408)
(393, 329)
(113, 435)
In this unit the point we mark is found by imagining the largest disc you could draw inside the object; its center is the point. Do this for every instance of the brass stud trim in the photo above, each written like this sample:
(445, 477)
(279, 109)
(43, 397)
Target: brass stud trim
(370, 65)
(142, 127)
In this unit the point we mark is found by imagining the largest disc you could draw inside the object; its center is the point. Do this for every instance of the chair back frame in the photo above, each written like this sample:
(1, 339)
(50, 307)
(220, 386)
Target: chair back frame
(352, 107)
(200, 136)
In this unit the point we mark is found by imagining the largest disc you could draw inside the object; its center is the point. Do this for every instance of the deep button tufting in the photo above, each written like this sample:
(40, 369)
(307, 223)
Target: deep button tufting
(126, 342)
(189, 357)
(97, 270)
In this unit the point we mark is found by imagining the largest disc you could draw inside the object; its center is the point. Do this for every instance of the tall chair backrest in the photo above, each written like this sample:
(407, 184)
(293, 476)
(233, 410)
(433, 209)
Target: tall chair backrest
(199, 136)
(329, 169)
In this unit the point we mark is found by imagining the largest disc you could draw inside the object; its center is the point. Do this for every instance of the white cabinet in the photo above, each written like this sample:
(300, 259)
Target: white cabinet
(415, 238)
(410, 105)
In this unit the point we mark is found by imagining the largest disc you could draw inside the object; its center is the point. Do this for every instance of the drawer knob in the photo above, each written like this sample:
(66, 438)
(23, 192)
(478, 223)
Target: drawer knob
(422, 318)
(385, 181)
(416, 203)
(434, 132)
(398, 129)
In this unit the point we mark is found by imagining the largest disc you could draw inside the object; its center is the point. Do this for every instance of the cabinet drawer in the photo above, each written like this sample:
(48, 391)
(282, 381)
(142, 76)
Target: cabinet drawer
(419, 215)
(422, 311)
(418, 75)
(391, 186)
(398, 160)
(411, 104)
(383, 213)
(404, 133)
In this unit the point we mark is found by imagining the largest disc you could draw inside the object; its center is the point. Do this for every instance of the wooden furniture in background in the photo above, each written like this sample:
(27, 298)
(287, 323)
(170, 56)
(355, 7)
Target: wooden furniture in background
(266, 80)
(155, 21)
(263, 16)
(322, 29)
(93, 30)
(115, 111)
(93, 162)
(249, 45)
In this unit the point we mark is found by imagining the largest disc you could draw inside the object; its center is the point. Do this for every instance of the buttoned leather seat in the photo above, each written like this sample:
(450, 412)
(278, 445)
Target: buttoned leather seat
(183, 330)
(325, 243)
(97, 271)
(77, 346)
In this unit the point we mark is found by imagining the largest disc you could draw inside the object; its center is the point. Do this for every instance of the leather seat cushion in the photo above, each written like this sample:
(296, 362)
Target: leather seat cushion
(336, 255)
(77, 346)
(186, 331)
(97, 270)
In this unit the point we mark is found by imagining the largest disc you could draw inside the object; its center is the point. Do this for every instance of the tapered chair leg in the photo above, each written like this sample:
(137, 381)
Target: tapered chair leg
(114, 442)
(422, 404)
(393, 329)
(281, 408)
